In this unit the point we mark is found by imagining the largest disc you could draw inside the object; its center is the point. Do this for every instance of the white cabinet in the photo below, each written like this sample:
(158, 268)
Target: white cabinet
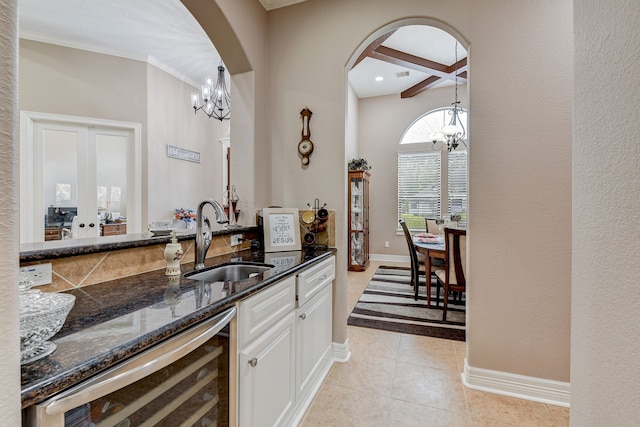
(266, 363)
(313, 342)
(267, 376)
(284, 347)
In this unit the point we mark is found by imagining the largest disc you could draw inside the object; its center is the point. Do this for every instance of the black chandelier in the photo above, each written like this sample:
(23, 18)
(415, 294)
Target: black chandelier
(216, 100)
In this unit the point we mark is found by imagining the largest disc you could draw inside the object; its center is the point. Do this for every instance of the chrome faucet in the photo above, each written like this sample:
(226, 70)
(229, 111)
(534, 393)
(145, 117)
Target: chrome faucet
(203, 239)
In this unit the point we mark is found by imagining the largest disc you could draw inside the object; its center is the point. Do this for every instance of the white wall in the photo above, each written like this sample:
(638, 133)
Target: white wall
(606, 210)
(9, 230)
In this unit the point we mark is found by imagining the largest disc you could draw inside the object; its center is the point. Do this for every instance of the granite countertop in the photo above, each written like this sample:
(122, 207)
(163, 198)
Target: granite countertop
(114, 320)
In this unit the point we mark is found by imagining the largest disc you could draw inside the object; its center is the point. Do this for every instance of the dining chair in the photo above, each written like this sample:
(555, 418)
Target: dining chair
(452, 278)
(415, 262)
(431, 225)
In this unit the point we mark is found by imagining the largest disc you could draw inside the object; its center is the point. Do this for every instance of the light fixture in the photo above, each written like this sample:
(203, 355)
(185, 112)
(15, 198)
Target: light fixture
(454, 133)
(379, 78)
(216, 100)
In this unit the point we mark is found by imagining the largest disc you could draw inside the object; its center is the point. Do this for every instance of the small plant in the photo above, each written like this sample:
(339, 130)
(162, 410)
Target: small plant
(359, 165)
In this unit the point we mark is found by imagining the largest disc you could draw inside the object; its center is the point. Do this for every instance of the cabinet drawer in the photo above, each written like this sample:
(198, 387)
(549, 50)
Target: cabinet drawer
(259, 312)
(313, 279)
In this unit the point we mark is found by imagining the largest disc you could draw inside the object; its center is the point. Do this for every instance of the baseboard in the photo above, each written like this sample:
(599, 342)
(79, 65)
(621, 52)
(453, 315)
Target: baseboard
(341, 352)
(520, 386)
(389, 258)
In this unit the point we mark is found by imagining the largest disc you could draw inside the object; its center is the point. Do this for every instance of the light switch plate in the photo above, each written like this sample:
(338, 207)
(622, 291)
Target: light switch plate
(40, 274)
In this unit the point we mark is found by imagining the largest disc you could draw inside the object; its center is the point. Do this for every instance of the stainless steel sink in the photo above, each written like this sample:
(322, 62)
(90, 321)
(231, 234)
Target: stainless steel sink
(233, 272)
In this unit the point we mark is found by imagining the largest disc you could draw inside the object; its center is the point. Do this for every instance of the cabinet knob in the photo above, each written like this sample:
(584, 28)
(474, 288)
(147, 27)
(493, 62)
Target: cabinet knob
(253, 362)
(92, 225)
(81, 225)
(303, 316)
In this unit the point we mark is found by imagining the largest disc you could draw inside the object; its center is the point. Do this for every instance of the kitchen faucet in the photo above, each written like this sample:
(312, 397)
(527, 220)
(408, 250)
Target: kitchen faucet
(203, 240)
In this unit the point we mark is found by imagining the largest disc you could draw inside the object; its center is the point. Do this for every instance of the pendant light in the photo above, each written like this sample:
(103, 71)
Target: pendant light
(454, 133)
(216, 99)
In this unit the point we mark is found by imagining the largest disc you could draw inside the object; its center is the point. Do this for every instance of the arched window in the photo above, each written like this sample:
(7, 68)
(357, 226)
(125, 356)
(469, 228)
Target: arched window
(432, 181)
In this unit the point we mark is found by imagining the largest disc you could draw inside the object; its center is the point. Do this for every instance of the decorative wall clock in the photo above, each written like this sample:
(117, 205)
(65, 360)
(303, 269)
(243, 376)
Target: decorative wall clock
(305, 146)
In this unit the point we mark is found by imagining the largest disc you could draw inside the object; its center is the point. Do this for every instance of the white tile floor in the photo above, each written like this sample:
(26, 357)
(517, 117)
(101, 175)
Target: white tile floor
(395, 379)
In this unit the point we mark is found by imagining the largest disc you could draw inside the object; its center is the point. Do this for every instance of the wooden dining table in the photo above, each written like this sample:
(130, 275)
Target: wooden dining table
(430, 250)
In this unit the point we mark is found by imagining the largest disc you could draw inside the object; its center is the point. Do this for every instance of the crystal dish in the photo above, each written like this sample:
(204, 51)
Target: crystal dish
(42, 314)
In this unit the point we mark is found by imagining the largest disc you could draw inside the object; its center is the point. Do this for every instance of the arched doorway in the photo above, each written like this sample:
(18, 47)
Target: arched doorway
(383, 118)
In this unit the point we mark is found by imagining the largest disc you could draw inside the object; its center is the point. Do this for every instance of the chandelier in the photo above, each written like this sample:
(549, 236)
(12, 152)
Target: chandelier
(454, 133)
(216, 100)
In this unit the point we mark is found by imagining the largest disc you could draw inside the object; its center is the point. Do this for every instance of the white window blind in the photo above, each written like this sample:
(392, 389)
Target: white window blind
(418, 187)
(458, 188)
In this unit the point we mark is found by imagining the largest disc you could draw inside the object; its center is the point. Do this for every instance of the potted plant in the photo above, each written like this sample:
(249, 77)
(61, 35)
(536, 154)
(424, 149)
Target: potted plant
(359, 164)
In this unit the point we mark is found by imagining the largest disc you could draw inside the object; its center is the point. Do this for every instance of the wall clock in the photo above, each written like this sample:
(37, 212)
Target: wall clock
(305, 146)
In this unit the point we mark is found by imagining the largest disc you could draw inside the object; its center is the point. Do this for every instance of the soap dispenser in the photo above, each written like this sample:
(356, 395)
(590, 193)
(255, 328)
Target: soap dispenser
(173, 254)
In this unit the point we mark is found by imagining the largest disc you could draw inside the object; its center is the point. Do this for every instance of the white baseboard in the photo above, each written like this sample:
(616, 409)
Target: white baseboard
(341, 352)
(389, 258)
(514, 385)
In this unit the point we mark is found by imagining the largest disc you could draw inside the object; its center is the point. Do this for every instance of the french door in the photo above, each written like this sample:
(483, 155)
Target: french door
(77, 167)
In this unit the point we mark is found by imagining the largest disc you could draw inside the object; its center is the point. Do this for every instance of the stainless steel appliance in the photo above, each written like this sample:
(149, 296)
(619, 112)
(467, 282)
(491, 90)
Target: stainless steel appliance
(183, 381)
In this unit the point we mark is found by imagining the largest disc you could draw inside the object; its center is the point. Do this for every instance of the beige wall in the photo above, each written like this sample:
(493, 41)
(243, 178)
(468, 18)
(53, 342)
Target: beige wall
(520, 161)
(61, 80)
(238, 30)
(382, 122)
(604, 333)
(176, 183)
(9, 336)
(519, 54)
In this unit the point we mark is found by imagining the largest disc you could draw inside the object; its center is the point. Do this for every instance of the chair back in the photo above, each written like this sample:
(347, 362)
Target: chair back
(455, 242)
(431, 226)
(413, 255)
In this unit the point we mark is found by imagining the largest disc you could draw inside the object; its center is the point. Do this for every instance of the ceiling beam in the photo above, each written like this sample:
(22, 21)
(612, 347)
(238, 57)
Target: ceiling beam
(372, 47)
(436, 71)
(413, 62)
(427, 83)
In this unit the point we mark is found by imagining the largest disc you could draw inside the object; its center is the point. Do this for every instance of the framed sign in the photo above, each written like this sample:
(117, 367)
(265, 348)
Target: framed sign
(281, 229)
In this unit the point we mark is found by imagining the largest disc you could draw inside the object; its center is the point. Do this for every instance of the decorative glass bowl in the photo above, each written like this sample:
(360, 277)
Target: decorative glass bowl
(42, 314)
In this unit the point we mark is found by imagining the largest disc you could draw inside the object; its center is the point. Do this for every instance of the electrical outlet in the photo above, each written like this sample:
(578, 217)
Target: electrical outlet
(386, 243)
(40, 274)
(236, 239)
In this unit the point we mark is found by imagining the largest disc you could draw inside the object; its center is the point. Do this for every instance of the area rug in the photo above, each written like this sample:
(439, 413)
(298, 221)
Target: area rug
(387, 303)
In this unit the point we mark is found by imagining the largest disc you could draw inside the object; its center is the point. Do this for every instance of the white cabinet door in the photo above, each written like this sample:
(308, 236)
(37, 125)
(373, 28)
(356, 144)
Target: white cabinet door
(313, 341)
(267, 376)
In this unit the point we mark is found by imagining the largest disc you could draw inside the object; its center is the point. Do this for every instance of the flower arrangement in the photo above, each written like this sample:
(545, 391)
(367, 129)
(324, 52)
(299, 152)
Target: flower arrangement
(358, 165)
(187, 215)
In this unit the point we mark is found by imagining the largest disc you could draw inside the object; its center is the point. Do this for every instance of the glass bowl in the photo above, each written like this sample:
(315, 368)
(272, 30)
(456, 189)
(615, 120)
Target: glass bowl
(42, 314)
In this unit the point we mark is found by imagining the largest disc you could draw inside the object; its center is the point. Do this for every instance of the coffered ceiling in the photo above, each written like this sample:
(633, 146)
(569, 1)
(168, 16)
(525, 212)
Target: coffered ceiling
(409, 60)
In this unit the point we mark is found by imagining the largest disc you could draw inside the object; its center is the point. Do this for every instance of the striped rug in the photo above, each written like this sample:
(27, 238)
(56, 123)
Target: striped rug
(387, 303)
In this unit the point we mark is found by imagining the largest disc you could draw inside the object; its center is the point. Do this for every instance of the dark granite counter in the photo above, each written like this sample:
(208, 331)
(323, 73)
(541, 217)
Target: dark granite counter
(30, 252)
(114, 320)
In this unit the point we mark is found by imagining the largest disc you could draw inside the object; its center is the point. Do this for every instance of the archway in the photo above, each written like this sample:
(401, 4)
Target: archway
(386, 125)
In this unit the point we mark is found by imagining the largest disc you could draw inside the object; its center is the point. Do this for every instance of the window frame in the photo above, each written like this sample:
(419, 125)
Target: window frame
(412, 143)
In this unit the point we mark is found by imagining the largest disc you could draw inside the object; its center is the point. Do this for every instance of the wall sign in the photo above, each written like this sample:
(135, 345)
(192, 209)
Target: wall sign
(183, 154)
(281, 229)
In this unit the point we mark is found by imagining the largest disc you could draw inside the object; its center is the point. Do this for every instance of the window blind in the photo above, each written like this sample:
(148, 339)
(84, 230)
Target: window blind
(418, 187)
(458, 187)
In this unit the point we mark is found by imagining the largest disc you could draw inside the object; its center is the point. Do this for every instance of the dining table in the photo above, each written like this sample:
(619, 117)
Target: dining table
(430, 248)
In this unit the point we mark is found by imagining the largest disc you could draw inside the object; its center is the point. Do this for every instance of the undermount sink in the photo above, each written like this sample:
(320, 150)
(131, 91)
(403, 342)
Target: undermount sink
(233, 272)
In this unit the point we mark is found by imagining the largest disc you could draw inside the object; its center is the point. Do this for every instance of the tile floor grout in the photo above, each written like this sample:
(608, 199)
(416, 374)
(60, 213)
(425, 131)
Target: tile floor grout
(422, 387)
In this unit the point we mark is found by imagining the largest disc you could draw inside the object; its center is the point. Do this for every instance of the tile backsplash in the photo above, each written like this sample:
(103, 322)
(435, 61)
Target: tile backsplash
(84, 270)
